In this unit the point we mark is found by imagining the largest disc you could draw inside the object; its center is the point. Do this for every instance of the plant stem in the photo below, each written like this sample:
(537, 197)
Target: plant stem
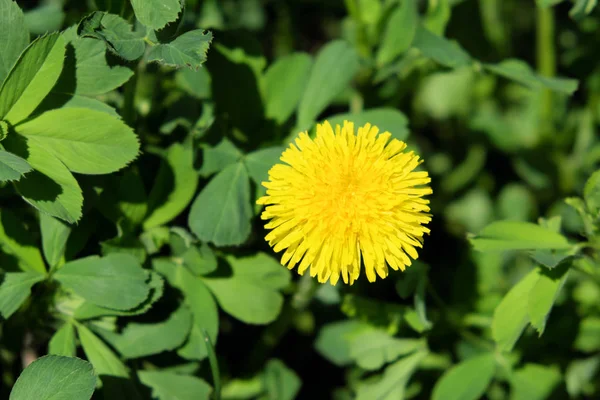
(546, 59)
(129, 99)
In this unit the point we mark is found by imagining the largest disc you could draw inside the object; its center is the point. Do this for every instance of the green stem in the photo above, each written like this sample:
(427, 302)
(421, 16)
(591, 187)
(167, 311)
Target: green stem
(129, 99)
(214, 366)
(546, 59)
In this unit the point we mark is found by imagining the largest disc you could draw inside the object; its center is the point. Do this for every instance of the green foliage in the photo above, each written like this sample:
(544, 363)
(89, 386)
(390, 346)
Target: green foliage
(134, 138)
(52, 377)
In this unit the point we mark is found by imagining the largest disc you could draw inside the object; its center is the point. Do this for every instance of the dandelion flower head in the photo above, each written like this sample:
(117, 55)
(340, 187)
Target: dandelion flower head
(345, 197)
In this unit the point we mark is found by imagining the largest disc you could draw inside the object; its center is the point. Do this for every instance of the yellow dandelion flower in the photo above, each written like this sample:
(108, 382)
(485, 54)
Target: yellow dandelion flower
(342, 198)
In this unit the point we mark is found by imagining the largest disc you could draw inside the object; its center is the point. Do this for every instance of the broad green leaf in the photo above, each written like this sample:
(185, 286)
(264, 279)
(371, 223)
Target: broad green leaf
(115, 32)
(187, 50)
(580, 374)
(16, 241)
(55, 377)
(467, 380)
(156, 14)
(174, 186)
(543, 294)
(517, 235)
(68, 100)
(281, 382)
(171, 386)
(516, 202)
(581, 8)
(520, 72)
(394, 380)
(221, 213)
(14, 36)
(217, 158)
(199, 260)
(251, 294)
(534, 382)
(103, 359)
(195, 83)
(31, 79)
(15, 288)
(45, 18)
(333, 341)
(63, 341)
(511, 316)
(116, 281)
(51, 188)
(399, 32)
(12, 167)
(373, 348)
(89, 310)
(285, 81)
(440, 49)
(259, 163)
(55, 234)
(198, 298)
(93, 75)
(145, 339)
(386, 119)
(86, 141)
(591, 193)
(333, 70)
(588, 337)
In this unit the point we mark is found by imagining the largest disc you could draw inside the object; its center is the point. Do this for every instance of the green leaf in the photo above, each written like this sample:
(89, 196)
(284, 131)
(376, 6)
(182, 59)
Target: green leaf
(201, 303)
(199, 260)
(31, 79)
(582, 8)
(55, 377)
(187, 50)
(333, 70)
(103, 359)
(15, 288)
(12, 167)
(440, 49)
(373, 348)
(392, 384)
(285, 81)
(18, 242)
(400, 31)
(63, 341)
(116, 281)
(251, 293)
(55, 234)
(115, 32)
(51, 188)
(520, 72)
(580, 374)
(14, 36)
(156, 14)
(86, 141)
(467, 380)
(145, 339)
(591, 193)
(259, 163)
(386, 119)
(534, 382)
(517, 235)
(543, 294)
(333, 341)
(88, 310)
(588, 337)
(195, 83)
(44, 18)
(281, 382)
(217, 158)
(174, 186)
(171, 386)
(511, 316)
(93, 75)
(221, 213)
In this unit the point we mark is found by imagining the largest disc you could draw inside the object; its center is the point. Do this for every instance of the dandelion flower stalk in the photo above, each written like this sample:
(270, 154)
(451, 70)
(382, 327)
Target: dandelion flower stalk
(344, 201)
